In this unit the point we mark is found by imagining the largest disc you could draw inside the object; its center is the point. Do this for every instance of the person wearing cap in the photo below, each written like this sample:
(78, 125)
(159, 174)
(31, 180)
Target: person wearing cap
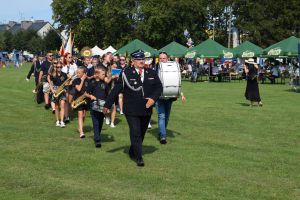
(252, 90)
(141, 87)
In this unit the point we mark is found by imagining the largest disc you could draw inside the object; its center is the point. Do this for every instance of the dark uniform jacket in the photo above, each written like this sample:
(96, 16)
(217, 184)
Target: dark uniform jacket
(134, 102)
(35, 68)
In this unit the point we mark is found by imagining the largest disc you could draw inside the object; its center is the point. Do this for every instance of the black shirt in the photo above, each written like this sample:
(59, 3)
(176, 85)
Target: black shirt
(77, 81)
(90, 71)
(59, 79)
(99, 89)
(45, 67)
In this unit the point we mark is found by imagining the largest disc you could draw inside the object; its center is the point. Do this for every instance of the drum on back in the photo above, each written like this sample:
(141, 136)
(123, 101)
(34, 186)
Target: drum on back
(170, 77)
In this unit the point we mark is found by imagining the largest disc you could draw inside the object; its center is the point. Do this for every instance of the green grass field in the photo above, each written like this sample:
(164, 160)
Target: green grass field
(218, 148)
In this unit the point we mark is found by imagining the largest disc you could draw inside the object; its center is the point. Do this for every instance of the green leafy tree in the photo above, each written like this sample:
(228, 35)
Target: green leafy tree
(2, 42)
(8, 41)
(52, 41)
(35, 45)
(267, 22)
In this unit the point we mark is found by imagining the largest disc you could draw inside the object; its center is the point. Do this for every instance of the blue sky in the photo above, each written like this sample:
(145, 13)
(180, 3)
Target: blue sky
(17, 10)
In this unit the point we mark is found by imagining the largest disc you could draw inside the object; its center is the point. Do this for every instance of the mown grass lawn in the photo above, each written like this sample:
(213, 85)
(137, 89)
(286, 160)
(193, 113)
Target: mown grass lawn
(218, 148)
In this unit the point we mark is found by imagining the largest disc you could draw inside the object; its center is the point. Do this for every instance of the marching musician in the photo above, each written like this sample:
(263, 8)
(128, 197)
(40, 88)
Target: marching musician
(80, 84)
(141, 88)
(56, 78)
(91, 70)
(43, 78)
(35, 68)
(122, 66)
(70, 69)
(114, 78)
(106, 63)
(163, 107)
(97, 92)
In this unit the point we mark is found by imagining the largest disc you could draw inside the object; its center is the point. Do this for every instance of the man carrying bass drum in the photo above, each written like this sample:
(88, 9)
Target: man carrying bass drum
(171, 91)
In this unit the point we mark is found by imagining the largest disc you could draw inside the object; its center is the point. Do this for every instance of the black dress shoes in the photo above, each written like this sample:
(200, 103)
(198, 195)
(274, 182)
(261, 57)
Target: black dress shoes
(163, 141)
(140, 162)
(97, 144)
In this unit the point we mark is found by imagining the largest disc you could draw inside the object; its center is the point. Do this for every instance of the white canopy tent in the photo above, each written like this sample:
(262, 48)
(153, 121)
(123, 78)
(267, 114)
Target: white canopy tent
(110, 49)
(96, 51)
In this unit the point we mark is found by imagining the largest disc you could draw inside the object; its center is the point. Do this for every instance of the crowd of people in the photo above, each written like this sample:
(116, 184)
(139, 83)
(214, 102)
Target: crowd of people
(105, 86)
(217, 71)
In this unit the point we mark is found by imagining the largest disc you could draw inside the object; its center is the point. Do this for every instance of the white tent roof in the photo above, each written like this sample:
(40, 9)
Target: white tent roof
(97, 51)
(110, 49)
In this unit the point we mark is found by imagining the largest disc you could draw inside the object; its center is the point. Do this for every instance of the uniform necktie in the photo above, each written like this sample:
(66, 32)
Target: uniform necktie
(140, 71)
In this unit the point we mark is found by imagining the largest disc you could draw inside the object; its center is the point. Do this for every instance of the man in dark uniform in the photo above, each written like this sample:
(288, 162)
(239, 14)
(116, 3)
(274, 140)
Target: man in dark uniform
(43, 78)
(141, 88)
(35, 68)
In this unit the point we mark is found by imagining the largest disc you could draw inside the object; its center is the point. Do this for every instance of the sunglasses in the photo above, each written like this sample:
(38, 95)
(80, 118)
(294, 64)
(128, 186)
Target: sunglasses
(50, 55)
(55, 63)
(58, 67)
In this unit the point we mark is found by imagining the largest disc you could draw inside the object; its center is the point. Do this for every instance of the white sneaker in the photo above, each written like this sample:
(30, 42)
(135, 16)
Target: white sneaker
(149, 126)
(62, 124)
(107, 120)
(112, 125)
(57, 123)
(121, 113)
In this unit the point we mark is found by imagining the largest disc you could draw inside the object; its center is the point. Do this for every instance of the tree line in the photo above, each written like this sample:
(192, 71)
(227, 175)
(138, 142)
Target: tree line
(30, 41)
(157, 22)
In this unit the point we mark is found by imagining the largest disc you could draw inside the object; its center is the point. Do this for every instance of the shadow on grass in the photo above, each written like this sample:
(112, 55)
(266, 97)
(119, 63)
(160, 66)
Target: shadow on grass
(104, 137)
(292, 90)
(147, 149)
(152, 122)
(117, 121)
(244, 104)
(87, 129)
(170, 133)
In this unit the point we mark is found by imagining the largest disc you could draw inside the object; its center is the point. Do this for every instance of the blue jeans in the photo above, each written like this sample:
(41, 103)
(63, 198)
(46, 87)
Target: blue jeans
(163, 107)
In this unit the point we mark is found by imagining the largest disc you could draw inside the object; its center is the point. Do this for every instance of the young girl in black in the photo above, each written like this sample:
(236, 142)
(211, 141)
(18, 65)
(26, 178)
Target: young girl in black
(80, 84)
(97, 92)
(56, 78)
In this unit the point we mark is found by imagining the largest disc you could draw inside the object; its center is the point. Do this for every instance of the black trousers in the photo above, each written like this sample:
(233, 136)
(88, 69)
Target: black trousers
(137, 127)
(97, 118)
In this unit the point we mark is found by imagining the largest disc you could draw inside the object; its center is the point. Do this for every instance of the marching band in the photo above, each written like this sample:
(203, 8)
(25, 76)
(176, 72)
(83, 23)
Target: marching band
(94, 85)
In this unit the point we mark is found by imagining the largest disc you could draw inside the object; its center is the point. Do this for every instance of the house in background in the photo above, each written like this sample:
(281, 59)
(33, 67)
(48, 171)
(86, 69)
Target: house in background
(41, 27)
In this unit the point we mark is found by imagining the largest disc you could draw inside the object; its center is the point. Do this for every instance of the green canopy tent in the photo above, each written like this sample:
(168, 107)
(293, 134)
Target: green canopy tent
(285, 48)
(209, 49)
(247, 50)
(136, 45)
(174, 49)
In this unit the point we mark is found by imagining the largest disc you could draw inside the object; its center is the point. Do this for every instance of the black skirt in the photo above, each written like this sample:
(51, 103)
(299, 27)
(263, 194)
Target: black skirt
(252, 90)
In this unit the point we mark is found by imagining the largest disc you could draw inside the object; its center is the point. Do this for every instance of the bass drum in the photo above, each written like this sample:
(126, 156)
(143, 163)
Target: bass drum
(170, 77)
